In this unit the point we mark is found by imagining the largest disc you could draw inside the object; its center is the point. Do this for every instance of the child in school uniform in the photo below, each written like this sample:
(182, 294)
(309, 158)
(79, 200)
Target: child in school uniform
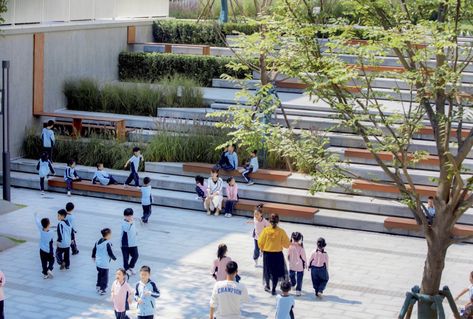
(46, 251)
(146, 199)
(134, 163)
(2, 295)
(72, 221)
(232, 196)
(102, 176)
(44, 168)
(251, 167)
(201, 189)
(129, 242)
(122, 294)
(259, 224)
(214, 199)
(318, 266)
(229, 159)
(64, 237)
(102, 255)
(219, 265)
(48, 140)
(297, 261)
(284, 302)
(146, 292)
(70, 176)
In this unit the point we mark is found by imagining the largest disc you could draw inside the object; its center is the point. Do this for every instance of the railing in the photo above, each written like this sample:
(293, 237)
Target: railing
(41, 11)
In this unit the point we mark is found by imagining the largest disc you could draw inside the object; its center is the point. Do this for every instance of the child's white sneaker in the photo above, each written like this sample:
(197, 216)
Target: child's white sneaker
(298, 293)
(250, 183)
(50, 274)
(256, 262)
(69, 193)
(45, 277)
(228, 215)
(42, 193)
(208, 212)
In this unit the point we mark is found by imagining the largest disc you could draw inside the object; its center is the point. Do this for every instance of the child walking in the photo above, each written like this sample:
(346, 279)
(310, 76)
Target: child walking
(213, 202)
(64, 235)
(134, 163)
(146, 199)
(251, 167)
(122, 294)
(102, 255)
(129, 242)
(70, 176)
(145, 293)
(48, 139)
(46, 251)
(102, 176)
(297, 261)
(284, 302)
(72, 221)
(232, 196)
(44, 168)
(318, 265)
(259, 224)
(220, 264)
(2, 295)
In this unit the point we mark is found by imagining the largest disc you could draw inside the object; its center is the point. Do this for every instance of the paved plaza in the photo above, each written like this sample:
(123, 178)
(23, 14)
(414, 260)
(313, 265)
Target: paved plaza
(369, 273)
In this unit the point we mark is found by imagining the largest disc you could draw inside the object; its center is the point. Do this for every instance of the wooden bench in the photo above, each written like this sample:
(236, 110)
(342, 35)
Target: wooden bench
(377, 68)
(87, 186)
(291, 84)
(411, 225)
(361, 184)
(280, 209)
(366, 42)
(428, 130)
(388, 156)
(266, 174)
(77, 122)
(168, 46)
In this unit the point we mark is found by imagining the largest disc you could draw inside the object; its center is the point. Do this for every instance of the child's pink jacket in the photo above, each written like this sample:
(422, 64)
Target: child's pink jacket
(232, 192)
(297, 258)
(119, 295)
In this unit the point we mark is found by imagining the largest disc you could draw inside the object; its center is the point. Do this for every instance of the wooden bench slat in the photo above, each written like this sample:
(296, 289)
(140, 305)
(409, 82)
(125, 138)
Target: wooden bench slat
(360, 184)
(273, 175)
(428, 130)
(281, 209)
(82, 117)
(86, 185)
(387, 156)
(377, 68)
(411, 225)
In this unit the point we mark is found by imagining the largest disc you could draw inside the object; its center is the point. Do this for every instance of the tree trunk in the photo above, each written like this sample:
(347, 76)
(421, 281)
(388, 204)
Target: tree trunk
(435, 262)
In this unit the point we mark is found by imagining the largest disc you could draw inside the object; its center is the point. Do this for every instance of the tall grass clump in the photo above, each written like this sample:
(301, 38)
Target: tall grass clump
(133, 98)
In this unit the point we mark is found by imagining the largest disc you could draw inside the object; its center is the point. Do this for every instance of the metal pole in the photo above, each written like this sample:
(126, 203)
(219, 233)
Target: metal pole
(6, 131)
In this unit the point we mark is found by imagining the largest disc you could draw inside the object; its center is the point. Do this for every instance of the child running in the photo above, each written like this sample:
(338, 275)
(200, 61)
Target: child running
(64, 235)
(146, 199)
(134, 163)
(103, 177)
(318, 265)
(48, 139)
(251, 167)
(129, 242)
(72, 221)
(44, 168)
(122, 294)
(259, 224)
(213, 202)
(102, 254)
(232, 196)
(46, 251)
(220, 264)
(145, 293)
(297, 261)
(284, 302)
(70, 176)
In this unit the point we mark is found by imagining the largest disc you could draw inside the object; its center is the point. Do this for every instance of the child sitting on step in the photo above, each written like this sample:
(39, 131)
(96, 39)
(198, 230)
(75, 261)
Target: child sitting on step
(232, 196)
(201, 189)
(251, 167)
(102, 176)
(70, 176)
(44, 168)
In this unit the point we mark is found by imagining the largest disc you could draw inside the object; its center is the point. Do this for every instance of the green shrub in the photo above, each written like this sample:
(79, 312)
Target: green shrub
(157, 66)
(134, 98)
(193, 32)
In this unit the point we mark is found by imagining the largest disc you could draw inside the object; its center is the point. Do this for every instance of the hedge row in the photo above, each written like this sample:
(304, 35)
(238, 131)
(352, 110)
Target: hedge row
(192, 32)
(156, 66)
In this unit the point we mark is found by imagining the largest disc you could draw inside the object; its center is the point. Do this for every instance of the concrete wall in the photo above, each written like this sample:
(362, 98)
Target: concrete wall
(71, 50)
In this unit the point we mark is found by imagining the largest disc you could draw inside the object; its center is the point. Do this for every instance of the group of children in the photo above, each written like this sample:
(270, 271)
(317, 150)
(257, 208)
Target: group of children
(102, 253)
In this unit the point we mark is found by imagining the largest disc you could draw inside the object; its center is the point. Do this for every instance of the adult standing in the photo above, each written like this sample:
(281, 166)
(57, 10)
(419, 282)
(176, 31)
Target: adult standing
(228, 295)
(271, 242)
